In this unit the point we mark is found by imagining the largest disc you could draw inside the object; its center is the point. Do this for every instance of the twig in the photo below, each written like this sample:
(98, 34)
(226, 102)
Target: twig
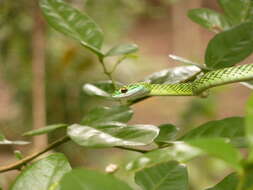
(106, 72)
(132, 149)
(18, 165)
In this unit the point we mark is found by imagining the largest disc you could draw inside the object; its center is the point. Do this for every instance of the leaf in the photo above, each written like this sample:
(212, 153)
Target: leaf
(112, 134)
(232, 128)
(230, 47)
(165, 176)
(83, 179)
(219, 148)
(44, 130)
(187, 61)
(101, 89)
(93, 90)
(2, 137)
(179, 151)
(250, 12)
(209, 19)
(167, 133)
(18, 154)
(43, 173)
(236, 10)
(107, 85)
(122, 49)
(73, 23)
(249, 125)
(4, 141)
(106, 114)
(229, 182)
(173, 75)
(248, 84)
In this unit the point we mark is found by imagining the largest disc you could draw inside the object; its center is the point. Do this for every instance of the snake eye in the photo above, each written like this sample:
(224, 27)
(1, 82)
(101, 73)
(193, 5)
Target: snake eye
(123, 90)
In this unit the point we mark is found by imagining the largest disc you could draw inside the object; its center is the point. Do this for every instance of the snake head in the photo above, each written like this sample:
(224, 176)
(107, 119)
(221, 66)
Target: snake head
(131, 91)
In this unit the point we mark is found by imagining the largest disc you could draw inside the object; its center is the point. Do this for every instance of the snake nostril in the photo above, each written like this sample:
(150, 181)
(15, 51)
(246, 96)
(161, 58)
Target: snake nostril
(123, 90)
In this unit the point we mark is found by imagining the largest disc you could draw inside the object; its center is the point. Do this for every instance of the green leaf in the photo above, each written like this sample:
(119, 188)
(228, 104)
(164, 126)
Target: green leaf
(106, 114)
(18, 154)
(112, 134)
(167, 133)
(209, 19)
(229, 182)
(43, 173)
(4, 141)
(107, 85)
(122, 49)
(230, 47)
(165, 176)
(250, 12)
(44, 130)
(249, 125)
(187, 61)
(83, 179)
(232, 128)
(93, 90)
(179, 151)
(173, 75)
(236, 10)
(2, 137)
(248, 84)
(102, 89)
(73, 23)
(219, 148)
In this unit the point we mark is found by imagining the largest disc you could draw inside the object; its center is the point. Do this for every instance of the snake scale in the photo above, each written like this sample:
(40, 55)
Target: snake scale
(195, 88)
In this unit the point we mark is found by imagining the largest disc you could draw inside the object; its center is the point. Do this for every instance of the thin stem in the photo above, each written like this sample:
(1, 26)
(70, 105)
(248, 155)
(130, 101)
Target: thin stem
(106, 72)
(18, 165)
(132, 149)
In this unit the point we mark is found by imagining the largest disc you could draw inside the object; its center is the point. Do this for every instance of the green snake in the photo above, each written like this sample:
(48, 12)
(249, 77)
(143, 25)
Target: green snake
(195, 88)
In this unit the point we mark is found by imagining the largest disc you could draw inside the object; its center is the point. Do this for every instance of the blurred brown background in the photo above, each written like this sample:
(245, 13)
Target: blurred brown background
(42, 73)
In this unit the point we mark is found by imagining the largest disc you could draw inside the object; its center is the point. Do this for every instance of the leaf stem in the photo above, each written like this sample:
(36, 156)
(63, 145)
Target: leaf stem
(132, 149)
(106, 72)
(18, 165)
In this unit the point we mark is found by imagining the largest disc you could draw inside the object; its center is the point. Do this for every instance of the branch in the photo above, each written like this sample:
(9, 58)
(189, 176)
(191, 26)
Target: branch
(18, 165)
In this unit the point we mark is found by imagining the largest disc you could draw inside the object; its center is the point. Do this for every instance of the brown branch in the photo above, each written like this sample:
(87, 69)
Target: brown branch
(18, 165)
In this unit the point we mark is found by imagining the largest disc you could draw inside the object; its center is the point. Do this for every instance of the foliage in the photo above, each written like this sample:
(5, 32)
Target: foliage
(43, 174)
(160, 165)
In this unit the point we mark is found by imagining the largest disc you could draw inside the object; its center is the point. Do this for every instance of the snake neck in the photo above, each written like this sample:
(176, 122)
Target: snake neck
(181, 89)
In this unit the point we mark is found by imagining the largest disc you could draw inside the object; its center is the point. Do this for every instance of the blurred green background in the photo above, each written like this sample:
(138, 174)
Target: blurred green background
(159, 27)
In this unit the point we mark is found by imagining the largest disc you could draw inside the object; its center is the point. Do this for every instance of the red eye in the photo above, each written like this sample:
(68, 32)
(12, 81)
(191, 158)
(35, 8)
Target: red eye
(123, 90)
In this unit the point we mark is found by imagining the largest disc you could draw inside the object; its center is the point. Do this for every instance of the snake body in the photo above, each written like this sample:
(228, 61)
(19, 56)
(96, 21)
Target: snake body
(197, 87)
